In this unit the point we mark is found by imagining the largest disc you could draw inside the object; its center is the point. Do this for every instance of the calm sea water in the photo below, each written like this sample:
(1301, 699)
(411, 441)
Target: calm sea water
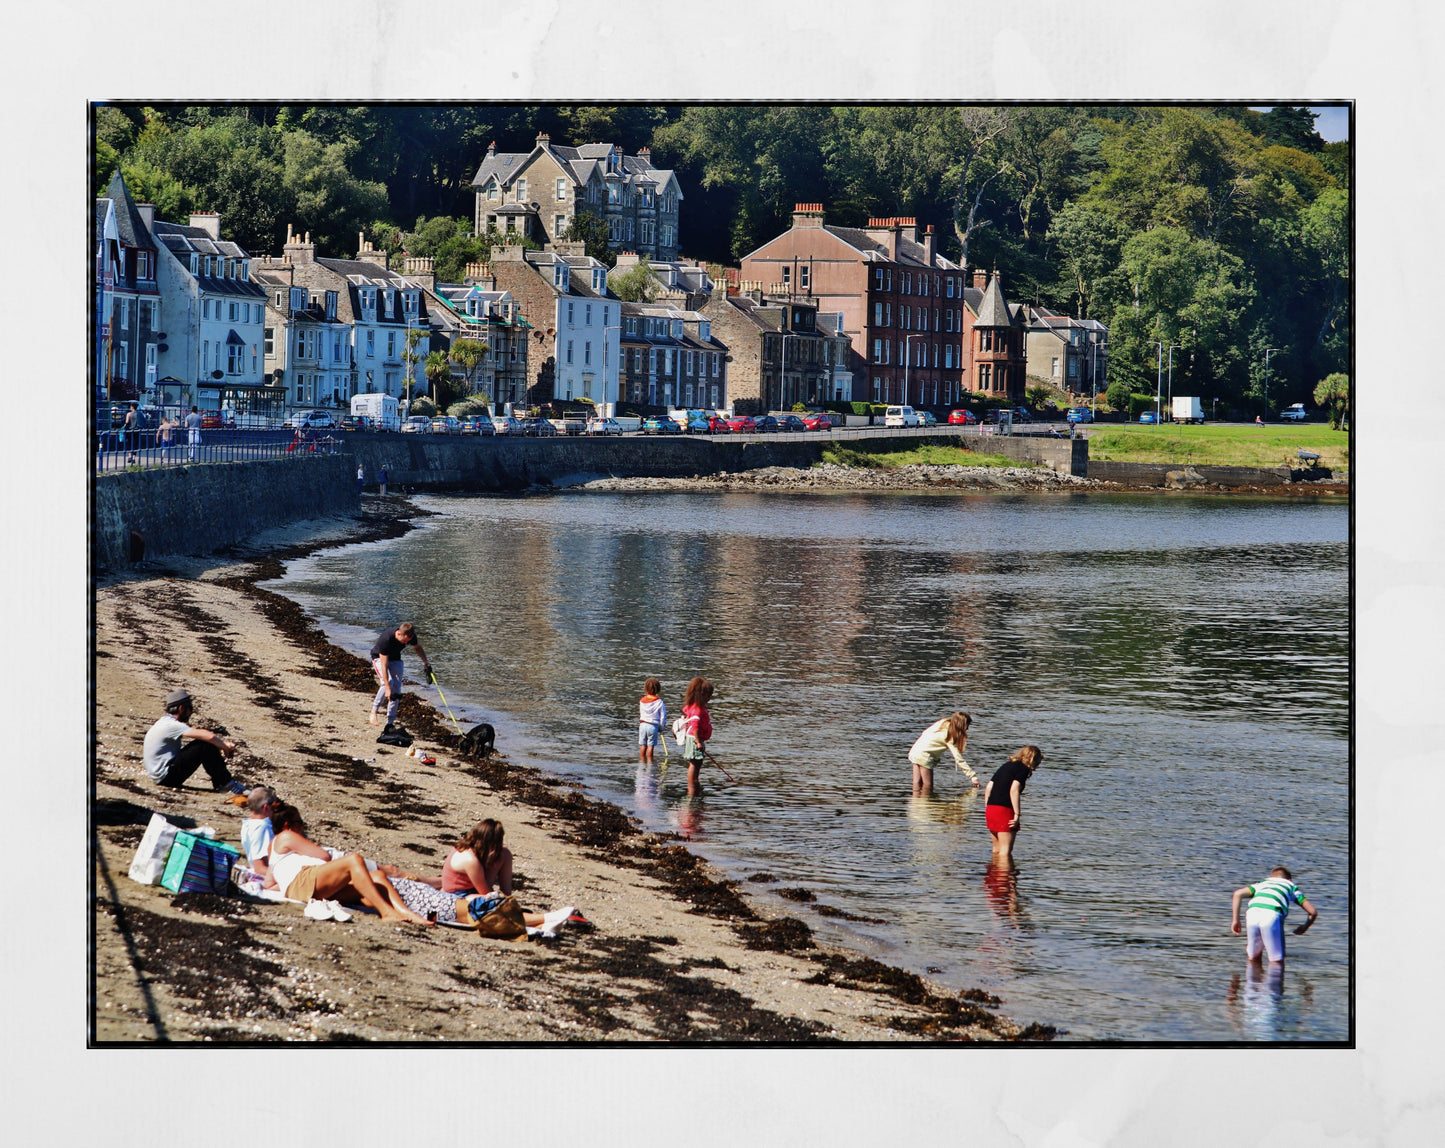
(1183, 663)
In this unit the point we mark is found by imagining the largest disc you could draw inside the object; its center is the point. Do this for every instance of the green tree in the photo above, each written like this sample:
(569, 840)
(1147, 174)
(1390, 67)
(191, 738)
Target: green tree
(1333, 393)
(1088, 243)
(1291, 127)
(637, 284)
(330, 202)
(410, 356)
(438, 369)
(590, 229)
(469, 354)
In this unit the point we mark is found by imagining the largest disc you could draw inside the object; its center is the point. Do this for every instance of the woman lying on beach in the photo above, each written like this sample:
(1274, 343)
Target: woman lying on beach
(480, 863)
(303, 871)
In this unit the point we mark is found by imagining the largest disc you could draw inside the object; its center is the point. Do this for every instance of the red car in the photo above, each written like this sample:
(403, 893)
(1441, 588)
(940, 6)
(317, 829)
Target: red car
(818, 422)
(960, 418)
(742, 424)
(716, 425)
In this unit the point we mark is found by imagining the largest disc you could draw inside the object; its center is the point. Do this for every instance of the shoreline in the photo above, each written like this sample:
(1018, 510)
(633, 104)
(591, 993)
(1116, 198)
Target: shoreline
(675, 953)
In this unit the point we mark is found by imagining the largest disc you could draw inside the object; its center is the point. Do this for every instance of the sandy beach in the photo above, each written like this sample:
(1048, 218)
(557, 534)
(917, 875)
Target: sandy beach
(674, 953)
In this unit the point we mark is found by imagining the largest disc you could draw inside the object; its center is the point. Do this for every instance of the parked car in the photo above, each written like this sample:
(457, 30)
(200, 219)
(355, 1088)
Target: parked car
(212, 420)
(1295, 413)
(446, 424)
(900, 417)
(603, 426)
(478, 425)
(1023, 415)
(417, 424)
(765, 423)
(927, 418)
(1148, 417)
(538, 428)
(742, 424)
(311, 419)
(355, 423)
(508, 425)
(817, 421)
(659, 425)
(1080, 415)
(716, 424)
(790, 423)
(961, 418)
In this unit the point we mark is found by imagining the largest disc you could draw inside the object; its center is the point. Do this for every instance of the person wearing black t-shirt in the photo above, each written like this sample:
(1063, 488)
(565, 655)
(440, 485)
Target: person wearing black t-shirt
(386, 662)
(1003, 798)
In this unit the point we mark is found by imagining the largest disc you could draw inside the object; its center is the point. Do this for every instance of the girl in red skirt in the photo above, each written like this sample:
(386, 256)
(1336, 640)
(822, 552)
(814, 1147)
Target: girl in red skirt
(1003, 798)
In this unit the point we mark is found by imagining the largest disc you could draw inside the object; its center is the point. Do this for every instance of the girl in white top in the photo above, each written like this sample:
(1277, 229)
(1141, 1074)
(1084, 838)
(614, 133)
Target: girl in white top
(344, 879)
(950, 733)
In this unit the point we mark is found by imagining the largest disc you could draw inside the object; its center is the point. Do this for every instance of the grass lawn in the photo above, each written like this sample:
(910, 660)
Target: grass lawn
(925, 455)
(1272, 445)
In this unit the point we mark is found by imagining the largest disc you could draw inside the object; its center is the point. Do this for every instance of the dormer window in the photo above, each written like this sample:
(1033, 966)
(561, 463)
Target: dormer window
(704, 331)
(677, 328)
(599, 279)
(409, 302)
(391, 302)
(298, 299)
(195, 264)
(208, 267)
(559, 275)
(493, 191)
(331, 305)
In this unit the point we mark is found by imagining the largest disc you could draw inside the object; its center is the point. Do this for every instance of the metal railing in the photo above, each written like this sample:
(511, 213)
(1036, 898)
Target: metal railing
(117, 451)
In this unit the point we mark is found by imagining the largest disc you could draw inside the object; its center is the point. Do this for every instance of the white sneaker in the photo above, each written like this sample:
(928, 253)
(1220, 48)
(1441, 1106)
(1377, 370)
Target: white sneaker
(337, 912)
(317, 911)
(554, 920)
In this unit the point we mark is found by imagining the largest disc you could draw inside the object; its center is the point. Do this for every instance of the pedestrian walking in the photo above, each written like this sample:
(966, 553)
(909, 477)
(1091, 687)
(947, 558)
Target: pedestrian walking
(1003, 798)
(164, 435)
(950, 733)
(386, 662)
(130, 435)
(193, 433)
(381, 479)
(360, 478)
(1269, 902)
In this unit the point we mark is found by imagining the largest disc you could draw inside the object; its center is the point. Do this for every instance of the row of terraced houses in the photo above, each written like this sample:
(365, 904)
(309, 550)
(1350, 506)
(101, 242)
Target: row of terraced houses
(819, 313)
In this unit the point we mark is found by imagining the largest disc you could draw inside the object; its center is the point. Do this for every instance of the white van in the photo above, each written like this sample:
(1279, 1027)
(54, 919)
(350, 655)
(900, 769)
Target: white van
(901, 417)
(381, 409)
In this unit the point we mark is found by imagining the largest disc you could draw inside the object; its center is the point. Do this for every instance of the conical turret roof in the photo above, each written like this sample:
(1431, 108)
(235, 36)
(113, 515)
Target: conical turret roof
(993, 311)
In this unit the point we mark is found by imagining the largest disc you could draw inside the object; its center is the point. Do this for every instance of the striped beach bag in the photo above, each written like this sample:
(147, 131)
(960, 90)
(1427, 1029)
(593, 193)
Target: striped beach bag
(199, 865)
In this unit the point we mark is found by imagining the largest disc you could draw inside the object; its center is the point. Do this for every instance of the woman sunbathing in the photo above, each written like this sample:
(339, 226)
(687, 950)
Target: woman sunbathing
(303, 870)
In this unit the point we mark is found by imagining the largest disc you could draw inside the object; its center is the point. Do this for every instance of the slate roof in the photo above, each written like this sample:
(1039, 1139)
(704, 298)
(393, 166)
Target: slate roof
(578, 162)
(910, 254)
(182, 240)
(128, 222)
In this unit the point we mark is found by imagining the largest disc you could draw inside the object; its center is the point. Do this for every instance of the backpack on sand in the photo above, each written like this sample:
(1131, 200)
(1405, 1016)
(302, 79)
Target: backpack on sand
(394, 735)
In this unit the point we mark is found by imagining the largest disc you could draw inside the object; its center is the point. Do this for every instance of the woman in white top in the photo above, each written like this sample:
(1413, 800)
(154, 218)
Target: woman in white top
(950, 733)
(303, 870)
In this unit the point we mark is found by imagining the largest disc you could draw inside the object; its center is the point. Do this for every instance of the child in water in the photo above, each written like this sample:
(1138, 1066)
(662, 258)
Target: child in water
(1003, 798)
(697, 727)
(950, 733)
(651, 719)
(1269, 902)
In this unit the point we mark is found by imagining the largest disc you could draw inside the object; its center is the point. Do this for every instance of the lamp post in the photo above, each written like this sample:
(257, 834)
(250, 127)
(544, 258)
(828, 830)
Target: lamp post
(1172, 348)
(1094, 371)
(1159, 379)
(621, 358)
(1267, 352)
(907, 362)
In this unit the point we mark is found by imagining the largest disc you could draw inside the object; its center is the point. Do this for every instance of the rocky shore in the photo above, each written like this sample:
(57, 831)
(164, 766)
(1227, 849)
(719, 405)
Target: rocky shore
(674, 953)
(950, 479)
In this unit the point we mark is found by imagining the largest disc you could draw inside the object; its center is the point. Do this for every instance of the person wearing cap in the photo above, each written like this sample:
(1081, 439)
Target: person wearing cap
(175, 749)
(386, 662)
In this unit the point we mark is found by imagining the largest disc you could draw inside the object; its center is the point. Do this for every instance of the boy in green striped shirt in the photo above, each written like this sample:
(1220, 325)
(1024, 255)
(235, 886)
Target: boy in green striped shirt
(1269, 903)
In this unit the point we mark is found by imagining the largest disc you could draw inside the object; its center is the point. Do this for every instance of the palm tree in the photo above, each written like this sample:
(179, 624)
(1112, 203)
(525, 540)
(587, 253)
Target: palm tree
(438, 369)
(411, 357)
(468, 354)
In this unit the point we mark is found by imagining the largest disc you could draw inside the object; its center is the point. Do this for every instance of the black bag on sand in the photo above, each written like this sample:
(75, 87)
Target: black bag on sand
(394, 735)
(479, 740)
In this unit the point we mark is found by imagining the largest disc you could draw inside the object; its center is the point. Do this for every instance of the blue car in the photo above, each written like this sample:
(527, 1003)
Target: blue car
(1148, 417)
(1080, 415)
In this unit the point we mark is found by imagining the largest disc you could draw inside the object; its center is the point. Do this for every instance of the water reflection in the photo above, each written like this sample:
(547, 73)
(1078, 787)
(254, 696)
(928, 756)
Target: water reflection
(1258, 1007)
(1187, 656)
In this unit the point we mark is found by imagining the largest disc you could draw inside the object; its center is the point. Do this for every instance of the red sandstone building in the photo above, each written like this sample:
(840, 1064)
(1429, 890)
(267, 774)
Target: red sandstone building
(921, 332)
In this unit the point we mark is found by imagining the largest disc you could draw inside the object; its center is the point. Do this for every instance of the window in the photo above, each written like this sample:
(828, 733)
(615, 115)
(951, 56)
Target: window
(948, 355)
(569, 350)
(391, 344)
(561, 191)
(804, 274)
(888, 314)
(587, 314)
(704, 330)
(889, 279)
(632, 326)
(195, 264)
(233, 360)
(587, 353)
(559, 225)
(571, 313)
(145, 265)
(652, 361)
(677, 328)
(878, 314)
(331, 304)
(207, 271)
(648, 231)
(787, 276)
(520, 194)
(147, 313)
(877, 350)
(985, 376)
(493, 192)
(877, 284)
(690, 363)
(371, 344)
(614, 230)
(559, 275)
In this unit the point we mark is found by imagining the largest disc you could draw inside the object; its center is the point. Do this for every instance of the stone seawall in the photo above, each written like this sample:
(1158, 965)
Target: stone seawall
(202, 509)
(436, 462)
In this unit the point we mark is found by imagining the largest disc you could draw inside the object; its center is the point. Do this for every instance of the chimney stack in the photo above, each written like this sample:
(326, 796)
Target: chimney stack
(147, 214)
(298, 250)
(980, 278)
(366, 253)
(929, 241)
(808, 215)
(207, 221)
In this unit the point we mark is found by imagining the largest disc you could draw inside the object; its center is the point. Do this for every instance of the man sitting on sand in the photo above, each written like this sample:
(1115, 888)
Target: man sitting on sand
(175, 749)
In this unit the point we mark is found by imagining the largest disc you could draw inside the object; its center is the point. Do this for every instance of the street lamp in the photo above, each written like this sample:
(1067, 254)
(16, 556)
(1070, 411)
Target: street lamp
(1267, 352)
(907, 362)
(1094, 370)
(1172, 348)
(1159, 380)
(621, 359)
